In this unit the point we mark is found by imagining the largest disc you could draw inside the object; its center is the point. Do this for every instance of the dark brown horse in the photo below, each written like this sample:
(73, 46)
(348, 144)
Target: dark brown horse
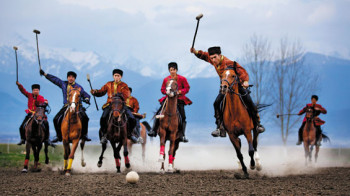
(35, 136)
(71, 130)
(144, 126)
(309, 136)
(236, 119)
(117, 133)
(168, 126)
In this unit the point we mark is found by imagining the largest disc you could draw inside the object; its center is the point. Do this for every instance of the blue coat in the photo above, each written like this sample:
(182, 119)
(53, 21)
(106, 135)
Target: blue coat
(63, 85)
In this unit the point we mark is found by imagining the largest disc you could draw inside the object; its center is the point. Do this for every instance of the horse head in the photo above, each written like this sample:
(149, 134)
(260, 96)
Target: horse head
(117, 105)
(39, 115)
(73, 99)
(309, 114)
(228, 80)
(171, 88)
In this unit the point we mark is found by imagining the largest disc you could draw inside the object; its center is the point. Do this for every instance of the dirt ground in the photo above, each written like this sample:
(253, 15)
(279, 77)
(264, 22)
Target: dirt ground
(323, 181)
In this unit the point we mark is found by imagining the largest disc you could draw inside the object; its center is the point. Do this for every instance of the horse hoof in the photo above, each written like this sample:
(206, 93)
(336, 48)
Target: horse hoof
(161, 171)
(259, 167)
(47, 161)
(83, 164)
(118, 171)
(24, 171)
(252, 167)
(161, 159)
(127, 165)
(99, 164)
(67, 174)
(246, 175)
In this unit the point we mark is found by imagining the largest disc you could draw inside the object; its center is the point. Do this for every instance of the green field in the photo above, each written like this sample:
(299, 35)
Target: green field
(12, 155)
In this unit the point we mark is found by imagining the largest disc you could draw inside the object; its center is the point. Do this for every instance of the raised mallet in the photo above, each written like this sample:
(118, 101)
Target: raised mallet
(195, 34)
(37, 45)
(88, 79)
(278, 115)
(15, 48)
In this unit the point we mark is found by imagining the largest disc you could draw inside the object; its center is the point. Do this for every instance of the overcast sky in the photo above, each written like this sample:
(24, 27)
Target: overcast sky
(157, 32)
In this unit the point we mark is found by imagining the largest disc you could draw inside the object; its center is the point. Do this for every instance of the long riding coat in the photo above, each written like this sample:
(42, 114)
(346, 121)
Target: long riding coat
(224, 63)
(317, 120)
(32, 100)
(183, 86)
(112, 88)
(132, 103)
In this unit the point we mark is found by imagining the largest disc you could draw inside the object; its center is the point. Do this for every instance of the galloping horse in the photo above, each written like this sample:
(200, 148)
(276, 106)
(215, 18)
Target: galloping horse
(71, 130)
(145, 127)
(35, 136)
(236, 119)
(309, 136)
(168, 126)
(117, 133)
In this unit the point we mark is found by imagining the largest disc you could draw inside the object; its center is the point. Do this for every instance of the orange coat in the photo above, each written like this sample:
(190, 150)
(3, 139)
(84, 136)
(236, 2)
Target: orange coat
(111, 89)
(132, 102)
(317, 120)
(224, 63)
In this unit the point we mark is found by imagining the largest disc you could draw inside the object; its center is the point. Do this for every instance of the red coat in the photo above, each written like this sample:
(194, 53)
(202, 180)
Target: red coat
(32, 101)
(112, 88)
(317, 120)
(183, 86)
(224, 63)
(132, 102)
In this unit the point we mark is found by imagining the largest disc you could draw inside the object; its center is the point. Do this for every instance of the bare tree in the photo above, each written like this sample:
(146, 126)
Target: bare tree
(257, 56)
(293, 81)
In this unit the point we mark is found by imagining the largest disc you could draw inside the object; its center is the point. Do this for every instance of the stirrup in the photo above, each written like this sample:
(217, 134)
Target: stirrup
(103, 140)
(21, 142)
(56, 139)
(299, 143)
(216, 133)
(260, 128)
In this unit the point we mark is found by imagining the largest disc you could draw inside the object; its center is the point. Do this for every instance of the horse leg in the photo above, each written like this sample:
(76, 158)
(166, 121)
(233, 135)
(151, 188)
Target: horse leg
(66, 154)
(46, 145)
(310, 153)
(162, 134)
(37, 153)
(75, 143)
(116, 155)
(306, 150)
(248, 136)
(237, 145)
(99, 163)
(26, 161)
(143, 145)
(126, 156)
(316, 153)
(82, 144)
(177, 142)
(256, 154)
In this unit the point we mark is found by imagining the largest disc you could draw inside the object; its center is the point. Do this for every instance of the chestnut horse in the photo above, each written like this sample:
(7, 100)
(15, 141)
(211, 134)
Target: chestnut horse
(236, 119)
(71, 130)
(35, 136)
(144, 128)
(117, 133)
(309, 136)
(168, 126)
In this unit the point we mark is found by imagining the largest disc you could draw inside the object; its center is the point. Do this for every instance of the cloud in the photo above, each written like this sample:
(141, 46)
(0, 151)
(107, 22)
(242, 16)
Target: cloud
(322, 13)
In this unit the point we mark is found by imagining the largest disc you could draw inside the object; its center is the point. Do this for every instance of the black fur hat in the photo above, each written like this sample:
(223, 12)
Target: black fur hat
(173, 65)
(72, 73)
(35, 86)
(314, 97)
(214, 50)
(130, 89)
(118, 71)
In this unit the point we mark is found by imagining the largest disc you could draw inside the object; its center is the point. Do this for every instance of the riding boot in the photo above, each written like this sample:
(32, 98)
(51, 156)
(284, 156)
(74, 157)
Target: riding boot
(85, 122)
(183, 137)
(259, 127)
(318, 135)
(57, 123)
(47, 134)
(300, 135)
(219, 131)
(22, 133)
(153, 132)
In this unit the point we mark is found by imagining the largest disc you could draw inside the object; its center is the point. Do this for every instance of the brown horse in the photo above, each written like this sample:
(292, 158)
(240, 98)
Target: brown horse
(168, 126)
(144, 126)
(236, 119)
(309, 135)
(71, 130)
(35, 136)
(117, 133)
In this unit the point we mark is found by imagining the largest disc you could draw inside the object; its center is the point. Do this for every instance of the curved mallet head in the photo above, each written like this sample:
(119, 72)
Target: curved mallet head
(15, 48)
(277, 115)
(36, 31)
(88, 77)
(199, 16)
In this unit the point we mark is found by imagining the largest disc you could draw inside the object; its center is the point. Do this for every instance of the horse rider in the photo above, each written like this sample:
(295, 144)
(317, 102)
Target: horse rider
(318, 109)
(132, 103)
(220, 63)
(66, 86)
(183, 89)
(34, 99)
(112, 88)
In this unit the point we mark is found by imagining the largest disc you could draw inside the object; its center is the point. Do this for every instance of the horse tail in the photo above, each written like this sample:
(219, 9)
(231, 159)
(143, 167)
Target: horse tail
(262, 107)
(148, 127)
(325, 138)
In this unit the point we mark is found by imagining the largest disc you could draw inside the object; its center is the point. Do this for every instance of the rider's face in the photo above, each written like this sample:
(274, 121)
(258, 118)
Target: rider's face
(215, 58)
(117, 77)
(71, 79)
(35, 91)
(313, 101)
(172, 71)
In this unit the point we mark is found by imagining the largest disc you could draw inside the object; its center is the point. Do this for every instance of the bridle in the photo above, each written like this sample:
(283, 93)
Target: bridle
(116, 101)
(169, 90)
(225, 89)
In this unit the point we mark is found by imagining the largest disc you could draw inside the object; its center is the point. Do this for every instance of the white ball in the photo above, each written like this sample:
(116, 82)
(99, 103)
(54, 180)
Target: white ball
(132, 177)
